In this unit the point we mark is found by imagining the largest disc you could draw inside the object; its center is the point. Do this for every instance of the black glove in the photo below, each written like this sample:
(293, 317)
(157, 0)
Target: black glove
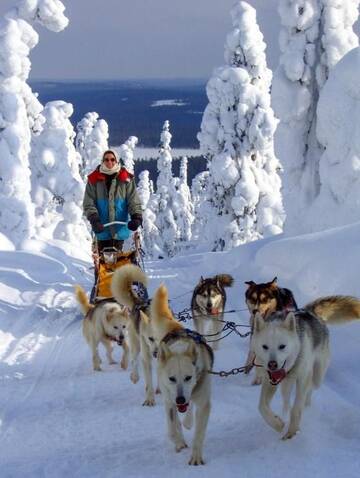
(135, 222)
(95, 222)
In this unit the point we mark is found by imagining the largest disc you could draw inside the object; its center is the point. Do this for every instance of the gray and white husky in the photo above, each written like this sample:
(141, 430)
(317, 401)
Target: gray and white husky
(292, 348)
(208, 305)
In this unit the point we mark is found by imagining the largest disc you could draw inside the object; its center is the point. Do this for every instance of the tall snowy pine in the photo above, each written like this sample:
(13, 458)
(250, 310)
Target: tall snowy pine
(165, 192)
(237, 138)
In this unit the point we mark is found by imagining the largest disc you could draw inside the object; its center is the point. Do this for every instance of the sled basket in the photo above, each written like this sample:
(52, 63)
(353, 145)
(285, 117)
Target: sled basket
(109, 260)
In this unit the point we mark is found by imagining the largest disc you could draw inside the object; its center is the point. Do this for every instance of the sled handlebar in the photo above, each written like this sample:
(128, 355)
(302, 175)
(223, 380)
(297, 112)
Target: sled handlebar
(113, 223)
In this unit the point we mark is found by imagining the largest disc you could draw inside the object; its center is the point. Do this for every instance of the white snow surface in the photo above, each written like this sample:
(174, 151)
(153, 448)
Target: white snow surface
(59, 418)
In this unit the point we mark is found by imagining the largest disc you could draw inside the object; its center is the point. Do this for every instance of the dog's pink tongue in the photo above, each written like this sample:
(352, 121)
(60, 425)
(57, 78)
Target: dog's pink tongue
(182, 408)
(278, 375)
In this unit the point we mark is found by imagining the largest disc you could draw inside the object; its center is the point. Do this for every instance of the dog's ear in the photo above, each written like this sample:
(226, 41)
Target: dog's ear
(164, 353)
(201, 280)
(274, 282)
(144, 317)
(111, 312)
(249, 283)
(191, 352)
(259, 322)
(290, 322)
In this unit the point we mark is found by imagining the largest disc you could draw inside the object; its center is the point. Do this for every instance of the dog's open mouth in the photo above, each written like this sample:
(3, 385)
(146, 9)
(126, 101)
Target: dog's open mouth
(276, 376)
(182, 407)
(213, 311)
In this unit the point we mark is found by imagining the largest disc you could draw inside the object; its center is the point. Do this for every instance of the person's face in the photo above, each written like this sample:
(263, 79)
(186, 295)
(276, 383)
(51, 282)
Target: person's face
(109, 160)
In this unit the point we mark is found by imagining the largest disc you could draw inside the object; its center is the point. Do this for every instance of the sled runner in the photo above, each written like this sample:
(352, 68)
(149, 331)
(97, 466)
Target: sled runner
(107, 261)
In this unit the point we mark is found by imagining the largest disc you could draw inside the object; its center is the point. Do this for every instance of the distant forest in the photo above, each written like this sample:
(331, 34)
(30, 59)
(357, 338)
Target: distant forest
(196, 164)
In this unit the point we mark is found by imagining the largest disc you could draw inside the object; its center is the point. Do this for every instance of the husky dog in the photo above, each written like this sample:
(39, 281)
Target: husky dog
(292, 348)
(104, 322)
(265, 299)
(140, 333)
(208, 304)
(184, 362)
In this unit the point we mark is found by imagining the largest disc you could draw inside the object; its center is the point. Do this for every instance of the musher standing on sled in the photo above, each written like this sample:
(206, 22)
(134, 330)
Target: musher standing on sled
(111, 195)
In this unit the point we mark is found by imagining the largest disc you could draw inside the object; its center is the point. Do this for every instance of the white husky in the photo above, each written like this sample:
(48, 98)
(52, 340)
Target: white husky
(293, 348)
(183, 364)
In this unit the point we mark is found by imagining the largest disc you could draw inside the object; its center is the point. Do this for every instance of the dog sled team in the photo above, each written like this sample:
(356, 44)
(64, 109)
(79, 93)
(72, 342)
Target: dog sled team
(289, 347)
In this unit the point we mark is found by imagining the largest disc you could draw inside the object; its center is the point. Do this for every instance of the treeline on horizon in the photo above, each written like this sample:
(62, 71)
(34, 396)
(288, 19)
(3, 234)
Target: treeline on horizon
(196, 164)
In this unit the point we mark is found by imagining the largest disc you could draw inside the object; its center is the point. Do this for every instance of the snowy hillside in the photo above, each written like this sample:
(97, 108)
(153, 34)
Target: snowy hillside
(59, 418)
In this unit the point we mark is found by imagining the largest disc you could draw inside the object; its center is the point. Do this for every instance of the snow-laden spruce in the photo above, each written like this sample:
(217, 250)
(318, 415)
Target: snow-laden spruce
(150, 235)
(201, 206)
(57, 188)
(20, 110)
(237, 138)
(163, 204)
(127, 151)
(183, 207)
(338, 130)
(315, 35)
(91, 141)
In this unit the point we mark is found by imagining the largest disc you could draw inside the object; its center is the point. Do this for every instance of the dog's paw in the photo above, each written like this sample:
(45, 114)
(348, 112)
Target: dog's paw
(149, 402)
(112, 362)
(134, 377)
(278, 424)
(196, 459)
(180, 446)
(97, 368)
(289, 434)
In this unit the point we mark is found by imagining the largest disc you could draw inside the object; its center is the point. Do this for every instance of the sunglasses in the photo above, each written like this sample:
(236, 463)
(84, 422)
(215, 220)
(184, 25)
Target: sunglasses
(113, 160)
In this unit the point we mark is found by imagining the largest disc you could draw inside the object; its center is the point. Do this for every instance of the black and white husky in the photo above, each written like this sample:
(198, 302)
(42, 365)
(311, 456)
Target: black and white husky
(292, 350)
(208, 305)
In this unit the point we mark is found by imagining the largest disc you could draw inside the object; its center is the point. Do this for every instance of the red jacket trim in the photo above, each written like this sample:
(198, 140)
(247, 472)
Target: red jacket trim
(123, 176)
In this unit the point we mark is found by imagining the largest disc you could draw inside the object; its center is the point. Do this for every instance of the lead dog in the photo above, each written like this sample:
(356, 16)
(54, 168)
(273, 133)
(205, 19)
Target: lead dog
(208, 305)
(292, 349)
(104, 322)
(184, 363)
(140, 333)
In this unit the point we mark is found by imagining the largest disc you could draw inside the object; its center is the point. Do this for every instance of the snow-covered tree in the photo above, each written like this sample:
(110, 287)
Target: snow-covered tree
(201, 203)
(237, 138)
(315, 35)
(338, 130)
(20, 110)
(150, 233)
(91, 141)
(183, 207)
(57, 188)
(126, 153)
(165, 192)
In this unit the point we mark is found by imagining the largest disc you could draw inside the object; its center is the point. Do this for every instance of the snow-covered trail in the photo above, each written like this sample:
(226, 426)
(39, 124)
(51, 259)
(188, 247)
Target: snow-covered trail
(59, 418)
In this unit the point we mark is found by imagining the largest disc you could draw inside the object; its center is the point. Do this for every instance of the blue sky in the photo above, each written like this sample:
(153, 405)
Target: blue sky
(142, 38)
